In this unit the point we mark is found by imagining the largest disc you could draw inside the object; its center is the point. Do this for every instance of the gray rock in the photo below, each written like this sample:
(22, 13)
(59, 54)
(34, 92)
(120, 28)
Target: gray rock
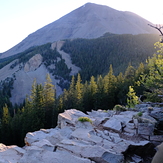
(130, 128)
(157, 113)
(51, 157)
(112, 158)
(10, 153)
(137, 159)
(69, 118)
(86, 135)
(145, 129)
(44, 144)
(33, 63)
(159, 154)
(113, 124)
(118, 122)
(83, 142)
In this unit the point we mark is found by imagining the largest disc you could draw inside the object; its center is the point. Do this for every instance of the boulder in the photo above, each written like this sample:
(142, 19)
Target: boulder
(113, 124)
(145, 129)
(145, 118)
(86, 135)
(52, 135)
(157, 113)
(10, 153)
(86, 125)
(69, 118)
(158, 158)
(44, 144)
(130, 129)
(109, 158)
(118, 122)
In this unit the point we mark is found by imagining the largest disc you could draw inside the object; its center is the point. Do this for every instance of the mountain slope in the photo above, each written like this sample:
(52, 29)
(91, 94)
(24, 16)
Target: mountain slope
(63, 59)
(34, 64)
(94, 56)
(88, 21)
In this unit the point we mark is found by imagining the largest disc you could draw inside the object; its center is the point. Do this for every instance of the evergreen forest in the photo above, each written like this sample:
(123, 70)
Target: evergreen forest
(103, 87)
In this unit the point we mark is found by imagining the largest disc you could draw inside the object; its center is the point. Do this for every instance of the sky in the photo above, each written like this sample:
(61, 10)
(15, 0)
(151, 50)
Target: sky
(19, 18)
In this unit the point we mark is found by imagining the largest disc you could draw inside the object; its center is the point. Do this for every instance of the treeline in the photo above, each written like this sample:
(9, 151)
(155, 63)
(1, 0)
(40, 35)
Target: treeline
(103, 92)
(94, 55)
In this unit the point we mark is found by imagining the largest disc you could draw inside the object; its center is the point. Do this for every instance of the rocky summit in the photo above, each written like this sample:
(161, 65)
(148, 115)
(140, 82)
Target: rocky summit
(105, 137)
(88, 21)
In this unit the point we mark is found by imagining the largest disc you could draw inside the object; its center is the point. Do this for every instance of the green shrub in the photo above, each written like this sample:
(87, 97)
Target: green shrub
(84, 119)
(119, 108)
(140, 114)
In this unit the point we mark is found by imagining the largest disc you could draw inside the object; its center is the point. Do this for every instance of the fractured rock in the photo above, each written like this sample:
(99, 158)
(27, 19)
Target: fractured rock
(33, 63)
(69, 118)
(77, 142)
(10, 153)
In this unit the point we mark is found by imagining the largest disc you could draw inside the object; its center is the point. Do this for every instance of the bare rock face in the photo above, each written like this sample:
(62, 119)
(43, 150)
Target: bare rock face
(33, 63)
(85, 142)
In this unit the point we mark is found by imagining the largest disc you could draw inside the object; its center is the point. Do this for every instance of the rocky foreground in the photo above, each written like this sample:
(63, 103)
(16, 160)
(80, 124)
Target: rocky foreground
(112, 137)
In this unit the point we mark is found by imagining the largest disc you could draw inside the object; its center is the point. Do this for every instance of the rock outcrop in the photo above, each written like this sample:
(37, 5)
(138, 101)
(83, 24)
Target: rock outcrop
(109, 137)
(33, 63)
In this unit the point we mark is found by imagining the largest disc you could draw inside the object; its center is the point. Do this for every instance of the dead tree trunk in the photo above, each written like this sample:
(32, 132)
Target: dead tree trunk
(159, 27)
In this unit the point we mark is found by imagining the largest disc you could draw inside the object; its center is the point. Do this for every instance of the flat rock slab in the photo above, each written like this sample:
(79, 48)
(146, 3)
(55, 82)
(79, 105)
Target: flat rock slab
(113, 124)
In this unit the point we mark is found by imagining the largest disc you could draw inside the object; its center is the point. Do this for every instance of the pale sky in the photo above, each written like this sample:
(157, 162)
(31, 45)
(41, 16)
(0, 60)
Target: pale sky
(19, 18)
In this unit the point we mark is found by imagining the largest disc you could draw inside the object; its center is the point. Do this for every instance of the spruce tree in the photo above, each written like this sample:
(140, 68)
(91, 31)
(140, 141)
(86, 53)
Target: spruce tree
(79, 93)
(49, 103)
(5, 126)
(132, 99)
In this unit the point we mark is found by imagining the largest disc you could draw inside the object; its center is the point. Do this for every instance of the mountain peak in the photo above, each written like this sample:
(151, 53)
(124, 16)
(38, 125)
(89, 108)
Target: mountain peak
(88, 21)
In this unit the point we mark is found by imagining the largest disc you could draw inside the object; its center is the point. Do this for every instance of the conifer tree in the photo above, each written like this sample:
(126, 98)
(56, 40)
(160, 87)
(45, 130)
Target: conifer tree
(122, 89)
(132, 99)
(130, 72)
(6, 115)
(93, 86)
(140, 70)
(109, 89)
(49, 92)
(79, 92)
(92, 93)
(100, 93)
(152, 80)
(49, 103)
(69, 95)
(79, 87)
(5, 126)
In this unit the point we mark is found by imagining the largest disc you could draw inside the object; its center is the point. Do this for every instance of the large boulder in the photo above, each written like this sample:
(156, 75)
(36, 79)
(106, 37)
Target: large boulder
(118, 122)
(69, 118)
(158, 158)
(10, 153)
